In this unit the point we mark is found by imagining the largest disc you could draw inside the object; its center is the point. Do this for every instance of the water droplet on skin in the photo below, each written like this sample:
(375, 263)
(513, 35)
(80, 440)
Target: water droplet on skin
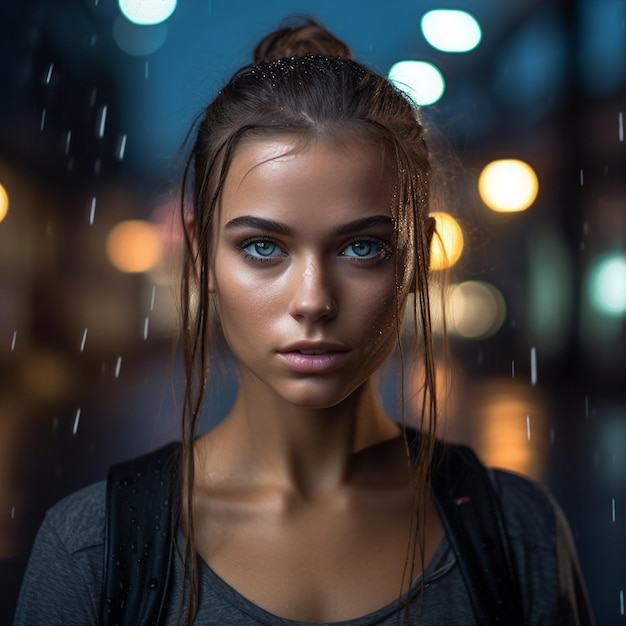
(76, 420)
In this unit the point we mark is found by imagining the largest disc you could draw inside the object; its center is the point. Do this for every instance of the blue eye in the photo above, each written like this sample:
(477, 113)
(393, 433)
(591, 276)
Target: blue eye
(261, 249)
(365, 249)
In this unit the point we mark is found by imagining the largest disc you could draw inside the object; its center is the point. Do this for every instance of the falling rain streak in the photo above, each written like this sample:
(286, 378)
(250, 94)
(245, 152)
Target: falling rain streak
(13, 512)
(121, 147)
(512, 369)
(621, 602)
(582, 178)
(118, 367)
(613, 510)
(153, 297)
(76, 420)
(528, 427)
(533, 366)
(48, 75)
(620, 131)
(102, 120)
(83, 340)
(43, 120)
(68, 139)
(92, 211)
(145, 328)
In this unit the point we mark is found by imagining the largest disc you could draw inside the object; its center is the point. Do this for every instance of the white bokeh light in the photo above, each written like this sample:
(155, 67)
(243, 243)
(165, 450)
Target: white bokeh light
(451, 30)
(421, 81)
(608, 286)
(146, 12)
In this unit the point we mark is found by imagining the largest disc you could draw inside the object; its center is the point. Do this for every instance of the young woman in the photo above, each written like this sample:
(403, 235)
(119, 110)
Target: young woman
(307, 236)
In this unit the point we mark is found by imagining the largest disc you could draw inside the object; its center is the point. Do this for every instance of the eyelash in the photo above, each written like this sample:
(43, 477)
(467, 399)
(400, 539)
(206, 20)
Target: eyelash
(384, 252)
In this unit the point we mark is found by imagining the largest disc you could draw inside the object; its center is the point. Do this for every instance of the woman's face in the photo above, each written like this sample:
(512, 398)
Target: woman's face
(302, 267)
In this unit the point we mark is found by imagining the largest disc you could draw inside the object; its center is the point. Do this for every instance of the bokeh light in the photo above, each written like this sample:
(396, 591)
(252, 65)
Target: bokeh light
(508, 185)
(421, 81)
(608, 285)
(134, 246)
(4, 202)
(447, 243)
(148, 12)
(451, 30)
(138, 40)
(477, 309)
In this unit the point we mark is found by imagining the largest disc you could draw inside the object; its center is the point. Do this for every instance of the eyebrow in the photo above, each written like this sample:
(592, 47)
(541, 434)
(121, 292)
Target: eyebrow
(272, 226)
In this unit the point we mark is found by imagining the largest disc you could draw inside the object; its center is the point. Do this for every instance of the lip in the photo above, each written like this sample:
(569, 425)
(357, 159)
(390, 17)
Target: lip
(333, 357)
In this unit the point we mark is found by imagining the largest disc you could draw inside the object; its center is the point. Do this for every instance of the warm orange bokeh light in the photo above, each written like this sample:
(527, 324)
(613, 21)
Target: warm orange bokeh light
(134, 246)
(447, 243)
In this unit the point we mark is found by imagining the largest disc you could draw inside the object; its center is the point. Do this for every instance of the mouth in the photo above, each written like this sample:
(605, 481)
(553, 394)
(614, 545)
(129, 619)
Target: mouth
(306, 359)
(311, 351)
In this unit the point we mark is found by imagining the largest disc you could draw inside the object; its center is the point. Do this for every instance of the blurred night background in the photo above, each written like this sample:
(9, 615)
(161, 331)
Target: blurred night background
(93, 112)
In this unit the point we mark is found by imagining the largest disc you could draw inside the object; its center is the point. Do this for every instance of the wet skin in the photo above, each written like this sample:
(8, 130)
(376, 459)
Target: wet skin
(302, 500)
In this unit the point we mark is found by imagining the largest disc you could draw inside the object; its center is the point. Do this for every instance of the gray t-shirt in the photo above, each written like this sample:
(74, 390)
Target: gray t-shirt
(63, 581)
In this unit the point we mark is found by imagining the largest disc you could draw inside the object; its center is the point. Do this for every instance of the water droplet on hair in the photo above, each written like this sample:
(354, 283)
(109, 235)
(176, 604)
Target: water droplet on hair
(153, 583)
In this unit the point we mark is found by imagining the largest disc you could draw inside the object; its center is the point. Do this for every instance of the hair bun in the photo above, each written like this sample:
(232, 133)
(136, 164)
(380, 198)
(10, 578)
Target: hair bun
(306, 37)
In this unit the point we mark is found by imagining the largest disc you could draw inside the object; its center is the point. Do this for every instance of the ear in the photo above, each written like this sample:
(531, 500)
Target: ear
(192, 234)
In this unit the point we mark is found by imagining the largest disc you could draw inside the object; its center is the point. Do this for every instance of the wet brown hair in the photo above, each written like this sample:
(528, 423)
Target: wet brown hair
(290, 92)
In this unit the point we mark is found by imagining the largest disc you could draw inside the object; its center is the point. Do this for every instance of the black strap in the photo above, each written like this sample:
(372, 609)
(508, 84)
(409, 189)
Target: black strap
(138, 540)
(470, 510)
(139, 546)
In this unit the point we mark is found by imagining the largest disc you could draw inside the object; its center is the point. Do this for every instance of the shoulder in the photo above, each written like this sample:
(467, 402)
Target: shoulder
(78, 520)
(530, 512)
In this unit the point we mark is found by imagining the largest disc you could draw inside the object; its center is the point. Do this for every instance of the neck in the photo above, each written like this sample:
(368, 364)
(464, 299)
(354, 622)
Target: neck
(266, 440)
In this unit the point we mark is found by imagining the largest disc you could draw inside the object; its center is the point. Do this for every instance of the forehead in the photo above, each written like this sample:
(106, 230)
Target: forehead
(291, 178)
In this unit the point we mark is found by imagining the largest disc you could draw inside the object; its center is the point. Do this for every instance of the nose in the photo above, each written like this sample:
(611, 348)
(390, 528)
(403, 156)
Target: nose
(312, 298)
